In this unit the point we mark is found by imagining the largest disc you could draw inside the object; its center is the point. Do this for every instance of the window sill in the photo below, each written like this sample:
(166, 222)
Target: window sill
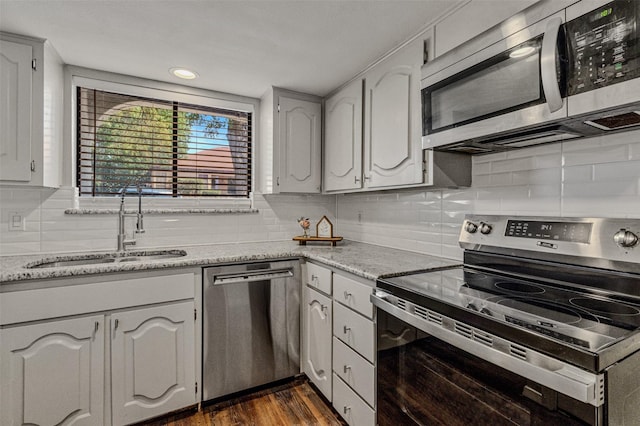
(160, 211)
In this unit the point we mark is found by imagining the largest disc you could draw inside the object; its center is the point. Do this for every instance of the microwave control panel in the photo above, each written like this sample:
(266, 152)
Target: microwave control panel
(604, 46)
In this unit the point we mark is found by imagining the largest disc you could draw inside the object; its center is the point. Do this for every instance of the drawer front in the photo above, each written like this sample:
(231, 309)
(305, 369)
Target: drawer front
(78, 299)
(350, 406)
(353, 294)
(355, 371)
(355, 330)
(319, 278)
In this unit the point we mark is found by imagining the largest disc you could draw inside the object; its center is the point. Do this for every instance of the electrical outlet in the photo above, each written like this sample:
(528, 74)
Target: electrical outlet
(16, 221)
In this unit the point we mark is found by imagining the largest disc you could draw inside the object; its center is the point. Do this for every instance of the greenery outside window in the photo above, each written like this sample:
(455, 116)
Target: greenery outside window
(163, 148)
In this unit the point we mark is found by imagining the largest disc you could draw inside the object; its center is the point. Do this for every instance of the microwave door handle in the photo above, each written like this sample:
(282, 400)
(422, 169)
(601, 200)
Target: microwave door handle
(548, 65)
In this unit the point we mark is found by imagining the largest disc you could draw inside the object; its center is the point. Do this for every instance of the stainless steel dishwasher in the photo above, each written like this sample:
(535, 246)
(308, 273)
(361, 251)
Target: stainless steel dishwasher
(251, 325)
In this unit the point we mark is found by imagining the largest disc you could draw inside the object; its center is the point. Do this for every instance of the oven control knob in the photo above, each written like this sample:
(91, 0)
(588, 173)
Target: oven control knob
(485, 228)
(625, 238)
(471, 227)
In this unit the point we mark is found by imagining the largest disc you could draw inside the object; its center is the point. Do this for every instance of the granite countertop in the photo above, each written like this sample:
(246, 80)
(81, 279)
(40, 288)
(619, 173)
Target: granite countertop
(365, 260)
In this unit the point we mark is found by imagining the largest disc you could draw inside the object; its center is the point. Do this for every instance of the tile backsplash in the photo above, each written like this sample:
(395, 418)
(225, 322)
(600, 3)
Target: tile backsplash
(587, 177)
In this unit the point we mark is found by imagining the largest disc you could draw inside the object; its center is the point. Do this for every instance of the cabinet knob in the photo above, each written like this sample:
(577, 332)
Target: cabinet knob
(345, 329)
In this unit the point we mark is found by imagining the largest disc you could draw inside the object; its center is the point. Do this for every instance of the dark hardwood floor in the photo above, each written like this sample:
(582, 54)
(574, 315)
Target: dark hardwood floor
(292, 403)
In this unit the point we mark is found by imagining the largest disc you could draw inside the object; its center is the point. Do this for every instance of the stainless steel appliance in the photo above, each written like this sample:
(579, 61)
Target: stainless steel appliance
(540, 325)
(251, 325)
(549, 73)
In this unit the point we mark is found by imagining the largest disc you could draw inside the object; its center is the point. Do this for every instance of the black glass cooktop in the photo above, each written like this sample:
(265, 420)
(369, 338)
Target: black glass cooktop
(568, 314)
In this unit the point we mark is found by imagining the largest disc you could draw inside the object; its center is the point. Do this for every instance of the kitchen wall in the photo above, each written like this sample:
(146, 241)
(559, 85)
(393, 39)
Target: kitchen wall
(49, 229)
(589, 177)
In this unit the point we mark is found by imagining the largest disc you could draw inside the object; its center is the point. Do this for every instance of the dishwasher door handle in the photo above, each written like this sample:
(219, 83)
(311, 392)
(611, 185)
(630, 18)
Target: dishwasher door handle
(249, 276)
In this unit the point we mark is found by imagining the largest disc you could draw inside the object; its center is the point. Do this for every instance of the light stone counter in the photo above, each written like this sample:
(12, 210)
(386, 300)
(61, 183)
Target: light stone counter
(365, 260)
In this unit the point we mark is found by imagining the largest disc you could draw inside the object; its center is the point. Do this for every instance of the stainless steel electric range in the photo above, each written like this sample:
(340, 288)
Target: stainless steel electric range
(539, 326)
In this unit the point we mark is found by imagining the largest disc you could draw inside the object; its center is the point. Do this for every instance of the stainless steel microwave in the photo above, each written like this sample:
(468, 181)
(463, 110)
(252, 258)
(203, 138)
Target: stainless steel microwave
(564, 69)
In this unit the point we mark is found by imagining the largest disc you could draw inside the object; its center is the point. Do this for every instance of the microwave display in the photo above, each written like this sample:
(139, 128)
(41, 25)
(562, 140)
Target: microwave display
(604, 47)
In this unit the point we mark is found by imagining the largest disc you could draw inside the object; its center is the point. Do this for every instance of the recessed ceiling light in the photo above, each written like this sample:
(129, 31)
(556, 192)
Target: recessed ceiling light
(183, 73)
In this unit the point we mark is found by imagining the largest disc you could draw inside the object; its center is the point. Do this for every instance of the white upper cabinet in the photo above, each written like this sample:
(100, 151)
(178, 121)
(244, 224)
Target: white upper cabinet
(373, 130)
(15, 114)
(300, 136)
(392, 130)
(290, 142)
(31, 89)
(343, 139)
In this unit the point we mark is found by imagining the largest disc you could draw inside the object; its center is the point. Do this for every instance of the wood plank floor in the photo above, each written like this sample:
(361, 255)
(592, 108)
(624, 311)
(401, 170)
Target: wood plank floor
(293, 403)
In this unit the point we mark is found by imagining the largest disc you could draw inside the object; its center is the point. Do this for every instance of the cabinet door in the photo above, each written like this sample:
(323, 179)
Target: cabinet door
(300, 136)
(53, 373)
(153, 361)
(393, 148)
(15, 114)
(343, 139)
(317, 340)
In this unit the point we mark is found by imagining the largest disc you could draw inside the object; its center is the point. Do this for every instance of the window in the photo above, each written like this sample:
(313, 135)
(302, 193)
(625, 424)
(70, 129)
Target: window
(168, 149)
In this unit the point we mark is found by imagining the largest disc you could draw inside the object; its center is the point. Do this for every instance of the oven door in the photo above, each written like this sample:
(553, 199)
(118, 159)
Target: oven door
(422, 380)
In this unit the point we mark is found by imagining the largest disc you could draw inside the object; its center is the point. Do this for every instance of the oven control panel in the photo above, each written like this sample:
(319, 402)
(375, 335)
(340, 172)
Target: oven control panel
(575, 232)
(599, 241)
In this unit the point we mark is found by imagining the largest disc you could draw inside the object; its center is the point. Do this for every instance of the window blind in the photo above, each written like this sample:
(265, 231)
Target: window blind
(162, 148)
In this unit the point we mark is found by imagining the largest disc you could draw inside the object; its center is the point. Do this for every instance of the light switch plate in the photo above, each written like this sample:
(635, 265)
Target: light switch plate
(16, 221)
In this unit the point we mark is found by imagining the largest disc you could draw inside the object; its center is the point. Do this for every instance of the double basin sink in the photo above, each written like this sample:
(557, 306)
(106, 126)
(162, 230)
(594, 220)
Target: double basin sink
(107, 258)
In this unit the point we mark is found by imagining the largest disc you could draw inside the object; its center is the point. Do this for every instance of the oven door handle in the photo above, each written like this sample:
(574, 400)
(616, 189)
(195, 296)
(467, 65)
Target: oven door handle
(550, 372)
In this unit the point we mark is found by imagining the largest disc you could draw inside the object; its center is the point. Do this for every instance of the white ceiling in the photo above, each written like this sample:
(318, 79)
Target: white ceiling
(241, 46)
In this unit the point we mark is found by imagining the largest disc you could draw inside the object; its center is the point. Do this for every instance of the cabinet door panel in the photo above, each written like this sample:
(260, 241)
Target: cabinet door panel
(317, 364)
(300, 134)
(15, 114)
(153, 361)
(70, 354)
(343, 139)
(393, 147)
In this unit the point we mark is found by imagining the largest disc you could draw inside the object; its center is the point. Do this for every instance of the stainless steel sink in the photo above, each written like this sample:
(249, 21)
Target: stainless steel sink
(107, 258)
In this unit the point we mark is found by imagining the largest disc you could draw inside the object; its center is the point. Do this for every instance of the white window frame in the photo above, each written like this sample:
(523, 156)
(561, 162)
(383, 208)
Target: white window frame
(127, 85)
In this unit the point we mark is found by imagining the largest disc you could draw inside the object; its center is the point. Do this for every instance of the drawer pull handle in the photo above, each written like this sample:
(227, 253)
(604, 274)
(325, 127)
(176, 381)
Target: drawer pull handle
(314, 277)
(116, 324)
(323, 308)
(97, 326)
(346, 408)
(345, 329)
(346, 368)
(347, 295)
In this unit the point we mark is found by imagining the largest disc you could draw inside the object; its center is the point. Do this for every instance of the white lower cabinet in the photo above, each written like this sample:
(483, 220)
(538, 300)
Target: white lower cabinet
(66, 352)
(351, 407)
(53, 373)
(317, 340)
(152, 361)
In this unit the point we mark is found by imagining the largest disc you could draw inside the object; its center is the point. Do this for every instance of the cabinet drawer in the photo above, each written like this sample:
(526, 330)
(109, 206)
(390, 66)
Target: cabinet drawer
(78, 299)
(353, 294)
(349, 405)
(355, 371)
(319, 278)
(354, 330)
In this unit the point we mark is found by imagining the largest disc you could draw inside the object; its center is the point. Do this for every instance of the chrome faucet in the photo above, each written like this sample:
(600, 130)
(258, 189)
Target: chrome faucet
(122, 237)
